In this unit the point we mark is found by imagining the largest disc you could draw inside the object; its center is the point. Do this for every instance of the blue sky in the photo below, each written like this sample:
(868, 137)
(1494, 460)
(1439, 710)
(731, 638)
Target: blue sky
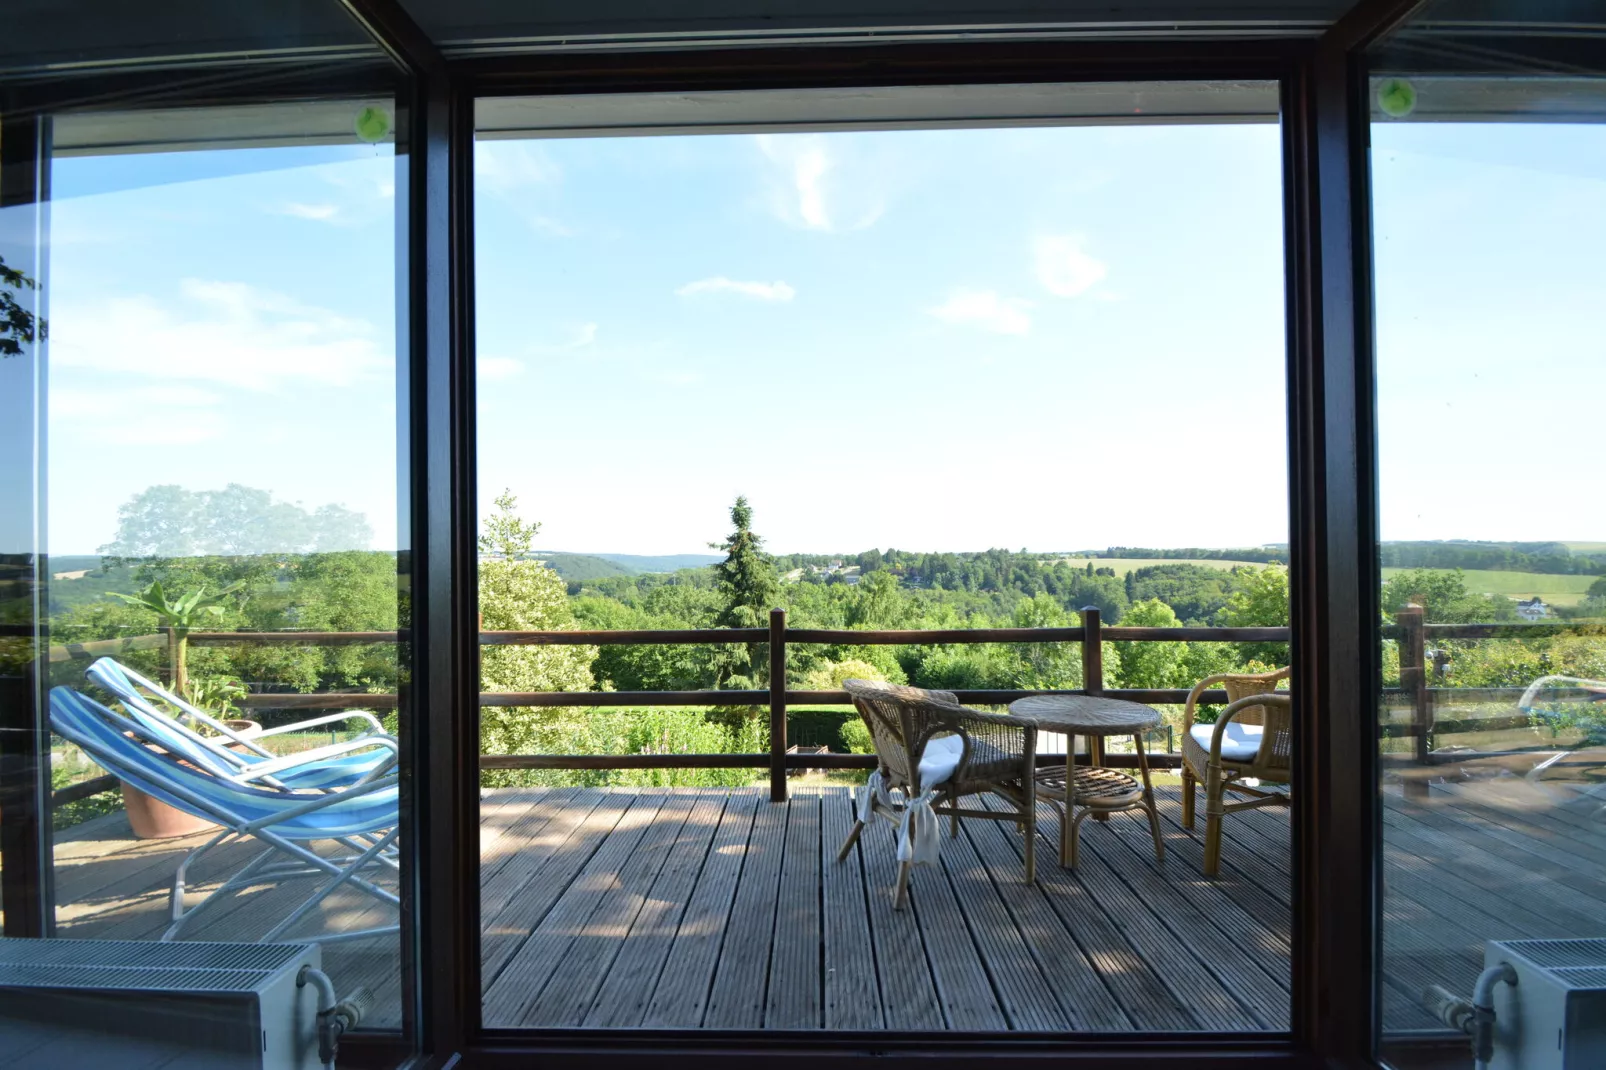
(1052, 338)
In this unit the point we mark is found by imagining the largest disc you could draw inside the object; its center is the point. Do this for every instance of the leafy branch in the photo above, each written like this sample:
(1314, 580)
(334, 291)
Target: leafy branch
(16, 322)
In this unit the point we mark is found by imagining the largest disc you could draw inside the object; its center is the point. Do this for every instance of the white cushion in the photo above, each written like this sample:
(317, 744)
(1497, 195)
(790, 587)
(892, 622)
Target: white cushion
(1239, 742)
(940, 759)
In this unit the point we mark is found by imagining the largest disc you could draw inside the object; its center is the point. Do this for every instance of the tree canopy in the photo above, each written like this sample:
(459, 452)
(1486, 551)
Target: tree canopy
(167, 520)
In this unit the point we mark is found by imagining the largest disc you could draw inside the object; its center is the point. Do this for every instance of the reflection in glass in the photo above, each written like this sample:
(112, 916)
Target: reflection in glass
(223, 528)
(1489, 208)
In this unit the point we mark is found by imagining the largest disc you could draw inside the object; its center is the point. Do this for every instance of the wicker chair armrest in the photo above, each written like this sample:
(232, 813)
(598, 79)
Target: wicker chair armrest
(1006, 738)
(1235, 708)
(1193, 696)
(1221, 677)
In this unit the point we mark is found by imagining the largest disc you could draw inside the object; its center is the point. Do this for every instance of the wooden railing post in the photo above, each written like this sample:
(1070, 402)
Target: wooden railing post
(1414, 682)
(1092, 674)
(777, 705)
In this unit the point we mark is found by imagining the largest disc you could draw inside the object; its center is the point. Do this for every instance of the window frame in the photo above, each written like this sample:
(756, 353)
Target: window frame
(1332, 520)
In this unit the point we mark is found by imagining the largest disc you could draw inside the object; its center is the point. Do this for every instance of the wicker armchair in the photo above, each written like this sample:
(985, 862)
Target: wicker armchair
(1251, 739)
(923, 736)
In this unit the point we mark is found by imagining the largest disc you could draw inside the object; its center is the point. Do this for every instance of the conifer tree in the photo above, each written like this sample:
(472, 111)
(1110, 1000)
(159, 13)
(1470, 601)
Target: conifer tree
(746, 579)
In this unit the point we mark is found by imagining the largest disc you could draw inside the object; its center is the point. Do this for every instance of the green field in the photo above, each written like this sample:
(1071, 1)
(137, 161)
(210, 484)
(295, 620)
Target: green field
(1557, 590)
(1123, 565)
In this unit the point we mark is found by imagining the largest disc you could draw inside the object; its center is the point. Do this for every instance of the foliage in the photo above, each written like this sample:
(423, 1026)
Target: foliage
(18, 326)
(181, 613)
(856, 737)
(746, 580)
(1152, 665)
(828, 675)
(1044, 666)
(1545, 557)
(650, 731)
(1443, 597)
(517, 594)
(1197, 593)
(1261, 601)
(168, 521)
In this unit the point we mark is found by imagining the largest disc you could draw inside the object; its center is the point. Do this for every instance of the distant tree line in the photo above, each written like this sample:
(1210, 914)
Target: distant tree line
(1553, 558)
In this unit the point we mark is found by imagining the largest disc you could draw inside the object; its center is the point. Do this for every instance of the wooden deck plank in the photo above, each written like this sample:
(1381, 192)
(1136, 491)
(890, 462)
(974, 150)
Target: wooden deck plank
(1018, 981)
(1523, 816)
(1142, 993)
(852, 994)
(1565, 868)
(584, 962)
(908, 990)
(1261, 890)
(1250, 964)
(794, 998)
(737, 998)
(540, 950)
(565, 852)
(543, 835)
(1188, 978)
(1524, 888)
(681, 995)
(1070, 975)
(964, 990)
(622, 1000)
(1121, 945)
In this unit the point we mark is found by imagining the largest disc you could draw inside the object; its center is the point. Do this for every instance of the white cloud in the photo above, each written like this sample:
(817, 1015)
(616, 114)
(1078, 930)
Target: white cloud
(505, 166)
(814, 187)
(321, 213)
(584, 335)
(763, 291)
(229, 333)
(499, 367)
(167, 415)
(1063, 268)
(520, 175)
(987, 310)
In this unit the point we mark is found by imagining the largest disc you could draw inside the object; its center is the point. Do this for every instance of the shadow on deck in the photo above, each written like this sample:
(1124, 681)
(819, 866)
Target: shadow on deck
(714, 909)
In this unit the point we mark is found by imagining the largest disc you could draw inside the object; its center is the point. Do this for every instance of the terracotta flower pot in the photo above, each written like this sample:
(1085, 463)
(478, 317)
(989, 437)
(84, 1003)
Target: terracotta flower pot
(152, 819)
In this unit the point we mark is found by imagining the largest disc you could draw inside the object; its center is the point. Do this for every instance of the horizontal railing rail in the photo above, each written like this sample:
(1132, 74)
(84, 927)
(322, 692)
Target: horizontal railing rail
(1409, 629)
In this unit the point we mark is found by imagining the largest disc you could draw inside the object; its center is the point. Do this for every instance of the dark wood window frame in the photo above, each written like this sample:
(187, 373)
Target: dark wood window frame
(1332, 526)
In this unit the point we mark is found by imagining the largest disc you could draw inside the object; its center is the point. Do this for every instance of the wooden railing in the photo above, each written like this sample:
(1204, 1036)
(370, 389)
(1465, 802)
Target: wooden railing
(1409, 629)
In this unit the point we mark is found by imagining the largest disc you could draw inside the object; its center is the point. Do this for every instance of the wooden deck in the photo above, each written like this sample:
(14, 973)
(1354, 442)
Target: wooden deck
(686, 908)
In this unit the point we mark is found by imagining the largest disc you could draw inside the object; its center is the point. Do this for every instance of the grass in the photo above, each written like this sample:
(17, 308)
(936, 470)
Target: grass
(1123, 565)
(1557, 590)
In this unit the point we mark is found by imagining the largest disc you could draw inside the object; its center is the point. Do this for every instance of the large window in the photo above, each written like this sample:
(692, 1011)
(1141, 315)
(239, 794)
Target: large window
(204, 543)
(1489, 196)
(1001, 357)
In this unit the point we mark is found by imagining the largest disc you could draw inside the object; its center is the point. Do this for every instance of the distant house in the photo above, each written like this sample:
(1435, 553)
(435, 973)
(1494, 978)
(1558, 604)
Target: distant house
(76, 574)
(1533, 609)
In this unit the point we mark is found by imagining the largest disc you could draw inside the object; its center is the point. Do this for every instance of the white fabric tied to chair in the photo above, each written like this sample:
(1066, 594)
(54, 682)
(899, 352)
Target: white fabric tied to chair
(919, 833)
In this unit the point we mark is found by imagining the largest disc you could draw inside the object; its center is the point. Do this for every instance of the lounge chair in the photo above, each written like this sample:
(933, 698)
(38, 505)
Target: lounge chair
(932, 752)
(1566, 702)
(362, 818)
(225, 752)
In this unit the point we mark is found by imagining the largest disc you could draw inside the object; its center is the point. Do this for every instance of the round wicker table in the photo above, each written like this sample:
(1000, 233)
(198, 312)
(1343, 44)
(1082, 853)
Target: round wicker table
(1098, 791)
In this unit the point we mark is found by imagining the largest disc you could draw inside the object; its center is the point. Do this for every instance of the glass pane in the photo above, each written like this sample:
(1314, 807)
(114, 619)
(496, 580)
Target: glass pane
(726, 370)
(217, 536)
(1489, 208)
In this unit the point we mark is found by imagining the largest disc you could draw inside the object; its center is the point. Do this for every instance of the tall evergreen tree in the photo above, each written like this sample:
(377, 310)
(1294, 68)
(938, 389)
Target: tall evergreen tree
(747, 583)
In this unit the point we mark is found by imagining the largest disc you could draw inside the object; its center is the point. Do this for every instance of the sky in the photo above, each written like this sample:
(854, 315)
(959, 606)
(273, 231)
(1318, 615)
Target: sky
(1043, 338)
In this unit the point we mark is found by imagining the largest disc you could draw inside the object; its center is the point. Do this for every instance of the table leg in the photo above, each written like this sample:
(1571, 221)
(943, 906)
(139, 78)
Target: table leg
(1070, 804)
(1148, 799)
(1095, 750)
